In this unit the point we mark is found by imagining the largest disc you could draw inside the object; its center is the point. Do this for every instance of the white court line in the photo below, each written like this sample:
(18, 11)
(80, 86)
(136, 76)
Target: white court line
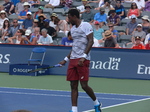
(119, 104)
(11, 92)
(69, 91)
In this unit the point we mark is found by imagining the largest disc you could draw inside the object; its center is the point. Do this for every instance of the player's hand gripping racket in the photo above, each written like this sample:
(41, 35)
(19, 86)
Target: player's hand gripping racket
(40, 69)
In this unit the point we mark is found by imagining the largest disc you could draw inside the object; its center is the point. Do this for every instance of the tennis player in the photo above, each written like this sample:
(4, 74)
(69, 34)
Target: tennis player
(79, 59)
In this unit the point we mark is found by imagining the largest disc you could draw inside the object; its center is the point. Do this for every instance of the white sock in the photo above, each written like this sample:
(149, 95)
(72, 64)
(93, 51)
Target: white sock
(96, 102)
(74, 108)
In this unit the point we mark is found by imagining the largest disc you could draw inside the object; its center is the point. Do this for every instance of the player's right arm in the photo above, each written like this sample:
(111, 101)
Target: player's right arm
(66, 59)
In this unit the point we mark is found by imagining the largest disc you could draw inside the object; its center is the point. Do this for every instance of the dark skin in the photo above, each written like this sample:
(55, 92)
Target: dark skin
(84, 84)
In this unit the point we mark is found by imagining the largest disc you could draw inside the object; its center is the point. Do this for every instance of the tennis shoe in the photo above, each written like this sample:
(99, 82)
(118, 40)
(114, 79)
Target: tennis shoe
(98, 108)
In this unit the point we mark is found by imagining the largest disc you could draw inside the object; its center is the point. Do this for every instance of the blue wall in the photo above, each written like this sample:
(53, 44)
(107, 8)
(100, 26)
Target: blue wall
(105, 62)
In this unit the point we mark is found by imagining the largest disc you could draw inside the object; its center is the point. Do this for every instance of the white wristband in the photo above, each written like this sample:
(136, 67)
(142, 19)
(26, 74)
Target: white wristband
(84, 55)
(66, 59)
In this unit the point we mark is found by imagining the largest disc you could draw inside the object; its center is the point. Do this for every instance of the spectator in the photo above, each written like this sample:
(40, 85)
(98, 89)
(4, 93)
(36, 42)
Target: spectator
(120, 10)
(140, 4)
(36, 33)
(17, 38)
(101, 16)
(114, 18)
(147, 37)
(107, 7)
(23, 14)
(15, 27)
(87, 16)
(39, 12)
(146, 23)
(15, 2)
(52, 4)
(45, 39)
(114, 32)
(81, 8)
(35, 24)
(109, 40)
(5, 31)
(67, 41)
(147, 6)
(138, 44)
(139, 32)
(61, 26)
(29, 39)
(113, 3)
(34, 3)
(41, 19)
(3, 17)
(19, 7)
(66, 4)
(68, 24)
(98, 34)
(147, 46)
(99, 2)
(131, 26)
(133, 11)
(50, 30)
(9, 7)
(1, 7)
(53, 17)
(28, 22)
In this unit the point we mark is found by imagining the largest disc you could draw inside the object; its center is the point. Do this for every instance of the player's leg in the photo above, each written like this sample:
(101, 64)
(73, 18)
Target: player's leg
(88, 90)
(83, 72)
(74, 95)
(74, 81)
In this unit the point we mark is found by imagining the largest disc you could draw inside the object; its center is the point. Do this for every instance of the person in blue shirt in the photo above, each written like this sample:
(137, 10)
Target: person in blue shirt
(67, 41)
(120, 10)
(28, 22)
(101, 17)
(23, 14)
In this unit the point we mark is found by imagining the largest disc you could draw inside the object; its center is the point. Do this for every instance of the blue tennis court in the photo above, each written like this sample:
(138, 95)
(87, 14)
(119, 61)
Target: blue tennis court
(37, 100)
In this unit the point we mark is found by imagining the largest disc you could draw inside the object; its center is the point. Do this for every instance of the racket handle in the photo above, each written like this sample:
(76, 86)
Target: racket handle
(58, 65)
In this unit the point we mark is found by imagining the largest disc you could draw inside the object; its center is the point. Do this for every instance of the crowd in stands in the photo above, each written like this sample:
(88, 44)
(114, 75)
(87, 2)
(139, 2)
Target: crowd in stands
(106, 17)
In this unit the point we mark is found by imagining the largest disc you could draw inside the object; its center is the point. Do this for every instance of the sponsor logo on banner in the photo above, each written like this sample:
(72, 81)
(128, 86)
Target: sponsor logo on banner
(21, 70)
(142, 69)
(111, 64)
(4, 58)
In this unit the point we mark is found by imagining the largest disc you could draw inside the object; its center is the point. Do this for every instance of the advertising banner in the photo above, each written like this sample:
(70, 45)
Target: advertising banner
(105, 62)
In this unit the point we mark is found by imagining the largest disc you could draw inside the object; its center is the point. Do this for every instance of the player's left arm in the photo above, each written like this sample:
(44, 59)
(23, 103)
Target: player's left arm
(89, 44)
(88, 48)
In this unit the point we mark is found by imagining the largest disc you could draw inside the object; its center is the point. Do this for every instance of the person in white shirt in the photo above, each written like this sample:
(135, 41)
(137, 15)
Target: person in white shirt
(45, 39)
(3, 17)
(79, 59)
(99, 2)
(140, 4)
(52, 4)
(81, 8)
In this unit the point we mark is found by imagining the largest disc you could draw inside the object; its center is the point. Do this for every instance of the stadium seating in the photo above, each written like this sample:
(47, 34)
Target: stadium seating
(125, 38)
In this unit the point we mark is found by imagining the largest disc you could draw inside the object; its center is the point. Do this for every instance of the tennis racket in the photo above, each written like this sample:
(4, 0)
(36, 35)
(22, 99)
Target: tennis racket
(45, 68)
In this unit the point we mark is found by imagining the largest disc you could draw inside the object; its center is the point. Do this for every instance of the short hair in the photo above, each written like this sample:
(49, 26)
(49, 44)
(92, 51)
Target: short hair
(22, 31)
(69, 34)
(44, 30)
(118, 1)
(74, 12)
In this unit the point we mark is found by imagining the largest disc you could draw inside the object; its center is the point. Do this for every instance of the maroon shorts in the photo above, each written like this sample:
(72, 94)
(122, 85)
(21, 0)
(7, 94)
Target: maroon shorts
(76, 72)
